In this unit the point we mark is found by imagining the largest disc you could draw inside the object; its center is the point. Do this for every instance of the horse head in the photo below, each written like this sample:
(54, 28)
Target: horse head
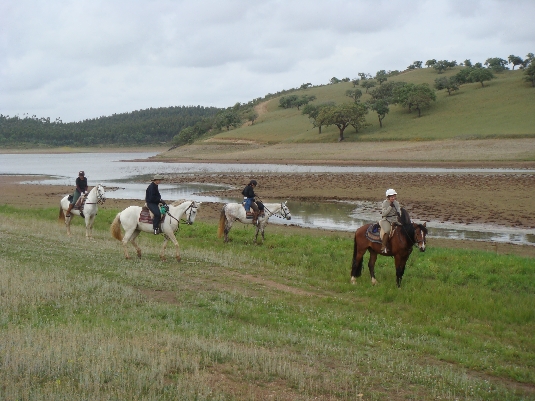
(101, 194)
(191, 211)
(420, 232)
(285, 212)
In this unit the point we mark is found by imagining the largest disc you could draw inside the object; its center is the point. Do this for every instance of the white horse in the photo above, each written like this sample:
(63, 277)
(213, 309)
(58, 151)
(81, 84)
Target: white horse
(232, 212)
(95, 197)
(129, 219)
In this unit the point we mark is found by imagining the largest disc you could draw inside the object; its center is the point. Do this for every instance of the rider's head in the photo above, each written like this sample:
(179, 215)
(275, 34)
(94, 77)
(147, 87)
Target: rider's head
(81, 174)
(390, 192)
(157, 177)
(253, 182)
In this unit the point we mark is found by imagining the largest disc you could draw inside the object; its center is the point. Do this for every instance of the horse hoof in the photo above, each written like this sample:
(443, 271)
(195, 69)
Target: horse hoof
(374, 281)
(353, 280)
(179, 259)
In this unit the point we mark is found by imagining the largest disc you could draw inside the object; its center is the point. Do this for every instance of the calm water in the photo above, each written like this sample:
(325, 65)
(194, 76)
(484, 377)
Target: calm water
(117, 170)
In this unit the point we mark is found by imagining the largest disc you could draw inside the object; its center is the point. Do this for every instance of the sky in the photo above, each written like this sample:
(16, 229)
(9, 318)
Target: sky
(83, 59)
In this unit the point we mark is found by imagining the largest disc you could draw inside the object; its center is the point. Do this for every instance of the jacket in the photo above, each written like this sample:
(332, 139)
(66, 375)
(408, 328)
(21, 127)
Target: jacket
(153, 194)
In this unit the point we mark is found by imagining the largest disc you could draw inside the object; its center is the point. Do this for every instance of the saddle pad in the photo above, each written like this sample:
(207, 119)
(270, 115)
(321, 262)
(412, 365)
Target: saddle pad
(373, 233)
(80, 203)
(146, 217)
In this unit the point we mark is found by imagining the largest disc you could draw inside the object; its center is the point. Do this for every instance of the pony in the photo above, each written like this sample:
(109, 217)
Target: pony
(402, 238)
(232, 212)
(129, 219)
(97, 196)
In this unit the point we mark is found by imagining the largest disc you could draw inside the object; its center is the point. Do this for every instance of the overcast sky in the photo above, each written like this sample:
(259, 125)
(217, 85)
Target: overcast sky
(89, 58)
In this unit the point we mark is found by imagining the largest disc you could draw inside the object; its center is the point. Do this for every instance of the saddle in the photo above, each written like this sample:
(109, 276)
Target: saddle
(80, 203)
(146, 216)
(373, 233)
(250, 215)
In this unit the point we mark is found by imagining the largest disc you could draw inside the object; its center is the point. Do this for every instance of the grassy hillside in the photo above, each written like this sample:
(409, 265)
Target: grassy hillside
(504, 108)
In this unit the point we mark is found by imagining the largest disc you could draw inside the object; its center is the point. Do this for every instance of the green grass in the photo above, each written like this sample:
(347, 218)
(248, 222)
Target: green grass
(241, 322)
(502, 109)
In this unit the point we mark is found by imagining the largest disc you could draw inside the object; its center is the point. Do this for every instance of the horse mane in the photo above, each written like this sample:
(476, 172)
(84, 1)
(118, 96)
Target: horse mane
(178, 202)
(406, 223)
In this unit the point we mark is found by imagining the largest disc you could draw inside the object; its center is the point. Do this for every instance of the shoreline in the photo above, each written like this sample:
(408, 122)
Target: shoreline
(12, 192)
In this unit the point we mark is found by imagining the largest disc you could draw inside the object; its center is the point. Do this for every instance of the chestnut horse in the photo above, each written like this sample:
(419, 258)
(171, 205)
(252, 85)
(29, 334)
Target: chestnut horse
(402, 239)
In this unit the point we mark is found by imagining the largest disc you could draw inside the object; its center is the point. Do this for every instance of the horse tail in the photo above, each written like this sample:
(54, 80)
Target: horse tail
(356, 268)
(61, 217)
(115, 228)
(221, 227)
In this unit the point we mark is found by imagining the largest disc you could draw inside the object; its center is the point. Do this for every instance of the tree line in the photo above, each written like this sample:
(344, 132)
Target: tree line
(141, 127)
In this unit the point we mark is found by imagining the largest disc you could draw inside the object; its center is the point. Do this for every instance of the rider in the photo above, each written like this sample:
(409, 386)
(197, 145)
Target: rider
(249, 199)
(391, 211)
(81, 189)
(153, 199)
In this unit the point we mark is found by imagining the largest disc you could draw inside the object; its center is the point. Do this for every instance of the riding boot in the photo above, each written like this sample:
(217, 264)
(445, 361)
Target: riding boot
(385, 242)
(68, 214)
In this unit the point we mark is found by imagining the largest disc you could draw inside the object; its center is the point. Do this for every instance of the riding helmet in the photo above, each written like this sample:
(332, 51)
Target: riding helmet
(253, 182)
(390, 192)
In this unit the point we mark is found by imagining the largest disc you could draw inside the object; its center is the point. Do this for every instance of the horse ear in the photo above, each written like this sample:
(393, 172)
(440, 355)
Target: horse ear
(424, 223)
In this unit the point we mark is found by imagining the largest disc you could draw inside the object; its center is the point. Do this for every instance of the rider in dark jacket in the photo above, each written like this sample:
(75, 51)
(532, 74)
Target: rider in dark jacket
(249, 200)
(153, 199)
(81, 189)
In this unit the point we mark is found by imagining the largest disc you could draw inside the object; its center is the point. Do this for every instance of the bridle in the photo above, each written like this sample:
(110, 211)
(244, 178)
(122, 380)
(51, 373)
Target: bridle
(192, 206)
(414, 240)
(282, 212)
(101, 198)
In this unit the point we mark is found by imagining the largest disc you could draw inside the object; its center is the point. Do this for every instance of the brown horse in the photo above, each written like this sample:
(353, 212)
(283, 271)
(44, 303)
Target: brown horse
(403, 238)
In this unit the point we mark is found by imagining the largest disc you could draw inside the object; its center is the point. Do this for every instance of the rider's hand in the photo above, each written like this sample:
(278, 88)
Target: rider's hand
(392, 204)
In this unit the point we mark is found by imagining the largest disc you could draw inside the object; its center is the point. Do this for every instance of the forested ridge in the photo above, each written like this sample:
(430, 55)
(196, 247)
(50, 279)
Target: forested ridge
(140, 127)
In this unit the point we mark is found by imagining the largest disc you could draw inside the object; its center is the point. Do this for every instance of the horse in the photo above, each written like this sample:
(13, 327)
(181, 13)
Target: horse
(402, 238)
(232, 212)
(129, 219)
(97, 196)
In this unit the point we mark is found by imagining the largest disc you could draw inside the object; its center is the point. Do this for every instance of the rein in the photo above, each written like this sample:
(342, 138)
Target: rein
(276, 215)
(184, 220)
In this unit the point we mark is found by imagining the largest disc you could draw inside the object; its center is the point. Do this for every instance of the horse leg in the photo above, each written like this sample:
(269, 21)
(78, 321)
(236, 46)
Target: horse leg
(68, 225)
(371, 266)
(356, 270)
(134, 243)
(177, 249)
(89, 221)
(228, 226)
(127, 236)
(400, 269)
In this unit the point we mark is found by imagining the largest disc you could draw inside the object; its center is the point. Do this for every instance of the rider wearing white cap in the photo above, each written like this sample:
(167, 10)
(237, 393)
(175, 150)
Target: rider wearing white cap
(390, 213)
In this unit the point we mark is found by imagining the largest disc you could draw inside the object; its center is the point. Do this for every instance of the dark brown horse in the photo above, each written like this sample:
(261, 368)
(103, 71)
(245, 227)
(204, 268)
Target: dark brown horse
(403, 238)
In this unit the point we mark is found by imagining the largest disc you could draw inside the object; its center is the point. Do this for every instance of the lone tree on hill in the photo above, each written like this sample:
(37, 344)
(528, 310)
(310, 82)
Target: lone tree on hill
(480, 75)
(496, 64)
(381, 76)
(343, 115)
(430, 63)
(529, 73)
(412, 95)
(354, 94)
(380, 106)
(450, 84)
(515, 60)
(369, 83)
(312, 111)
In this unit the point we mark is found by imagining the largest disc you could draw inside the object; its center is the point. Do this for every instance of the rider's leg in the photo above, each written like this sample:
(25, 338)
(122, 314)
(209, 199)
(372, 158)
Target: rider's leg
(256, 212)
(68, 214)
(385, 232)
(155, 209)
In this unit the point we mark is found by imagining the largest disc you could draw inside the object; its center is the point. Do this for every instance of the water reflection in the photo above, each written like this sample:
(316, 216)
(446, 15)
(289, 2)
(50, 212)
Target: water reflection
(119, 171)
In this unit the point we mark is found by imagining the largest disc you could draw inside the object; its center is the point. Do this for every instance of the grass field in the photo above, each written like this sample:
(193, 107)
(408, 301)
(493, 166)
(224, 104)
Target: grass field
(242, 322)
(501, 109)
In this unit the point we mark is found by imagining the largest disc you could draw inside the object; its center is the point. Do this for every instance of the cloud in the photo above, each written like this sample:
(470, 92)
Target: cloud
(85, 59)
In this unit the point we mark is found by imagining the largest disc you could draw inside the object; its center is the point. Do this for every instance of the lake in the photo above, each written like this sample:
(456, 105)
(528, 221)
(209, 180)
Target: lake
(120, 170)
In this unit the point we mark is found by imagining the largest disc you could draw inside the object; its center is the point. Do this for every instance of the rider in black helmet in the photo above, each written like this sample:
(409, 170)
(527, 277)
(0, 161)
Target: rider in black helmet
(249, 200)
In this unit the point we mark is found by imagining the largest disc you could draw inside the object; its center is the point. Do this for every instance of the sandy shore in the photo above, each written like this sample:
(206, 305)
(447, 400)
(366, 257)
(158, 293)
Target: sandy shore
(468, 198)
